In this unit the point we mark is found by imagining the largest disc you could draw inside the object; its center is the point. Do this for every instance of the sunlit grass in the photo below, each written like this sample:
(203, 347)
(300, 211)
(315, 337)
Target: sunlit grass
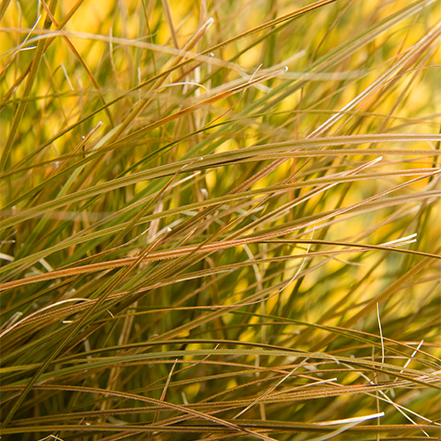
(220, 220)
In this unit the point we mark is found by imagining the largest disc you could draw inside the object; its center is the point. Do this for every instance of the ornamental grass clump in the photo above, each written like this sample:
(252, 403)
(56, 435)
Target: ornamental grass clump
(220, 220)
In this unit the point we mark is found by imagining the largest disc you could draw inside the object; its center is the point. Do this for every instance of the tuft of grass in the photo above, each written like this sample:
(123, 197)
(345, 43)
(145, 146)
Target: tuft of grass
(220, 220)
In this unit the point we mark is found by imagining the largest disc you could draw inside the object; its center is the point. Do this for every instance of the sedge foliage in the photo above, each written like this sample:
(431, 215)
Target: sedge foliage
(220, 220)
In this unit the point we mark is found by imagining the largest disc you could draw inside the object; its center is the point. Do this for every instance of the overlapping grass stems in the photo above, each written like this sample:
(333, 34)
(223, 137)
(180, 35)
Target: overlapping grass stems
(198, 242)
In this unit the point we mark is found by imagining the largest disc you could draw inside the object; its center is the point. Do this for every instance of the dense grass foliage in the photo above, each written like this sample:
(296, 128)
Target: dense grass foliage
(220, 220)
